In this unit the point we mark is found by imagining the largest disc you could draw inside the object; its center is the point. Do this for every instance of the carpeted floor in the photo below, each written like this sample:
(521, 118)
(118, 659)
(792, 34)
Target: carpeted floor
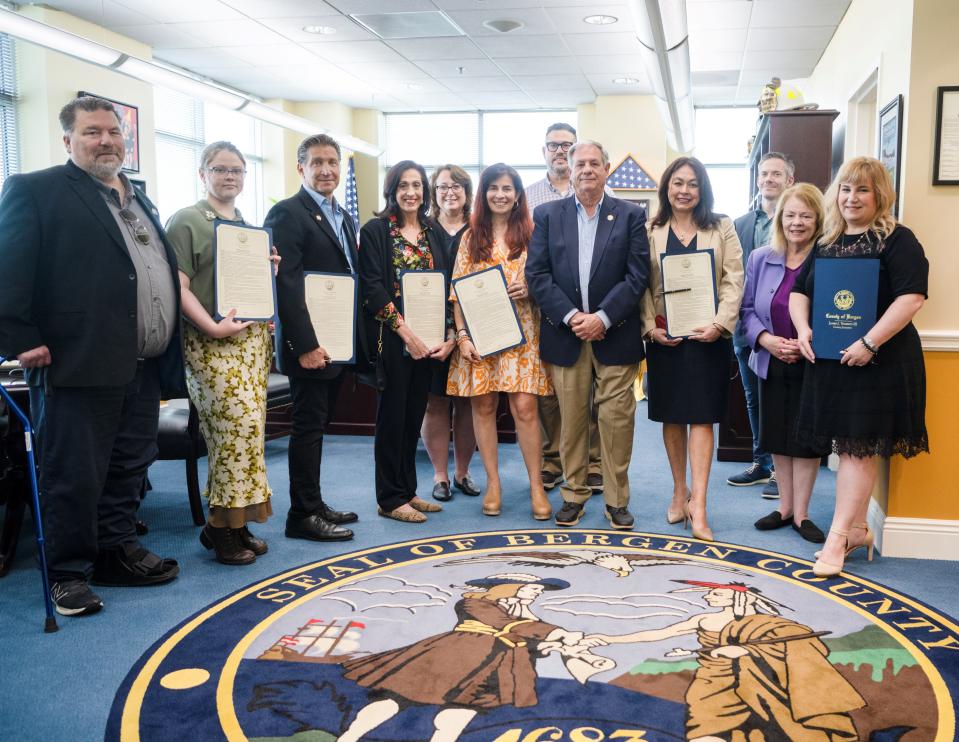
(61, 686)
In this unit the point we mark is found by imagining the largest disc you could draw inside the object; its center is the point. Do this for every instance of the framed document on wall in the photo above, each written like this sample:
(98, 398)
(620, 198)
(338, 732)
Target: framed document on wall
(890, 142)
(945, 169)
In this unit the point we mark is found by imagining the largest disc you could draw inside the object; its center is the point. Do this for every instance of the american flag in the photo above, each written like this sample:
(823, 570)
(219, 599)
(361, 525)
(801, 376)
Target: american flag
(352, 202)
(630, 176)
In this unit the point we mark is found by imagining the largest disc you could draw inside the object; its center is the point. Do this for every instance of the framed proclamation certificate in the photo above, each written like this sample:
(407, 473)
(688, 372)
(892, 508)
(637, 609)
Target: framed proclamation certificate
(843, 304)
(243, 273)
(424, 305)
(331, 302)
(689, 291)
(491, 318)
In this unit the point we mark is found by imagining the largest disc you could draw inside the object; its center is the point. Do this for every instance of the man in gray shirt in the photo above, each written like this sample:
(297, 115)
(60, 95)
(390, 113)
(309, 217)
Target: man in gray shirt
(90, 306)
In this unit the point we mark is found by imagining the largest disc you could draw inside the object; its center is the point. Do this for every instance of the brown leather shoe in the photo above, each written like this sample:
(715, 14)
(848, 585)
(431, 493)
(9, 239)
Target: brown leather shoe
(256, 545)
(226, 543)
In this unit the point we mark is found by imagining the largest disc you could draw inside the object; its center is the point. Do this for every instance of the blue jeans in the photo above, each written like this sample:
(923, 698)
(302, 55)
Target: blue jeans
(751, 389)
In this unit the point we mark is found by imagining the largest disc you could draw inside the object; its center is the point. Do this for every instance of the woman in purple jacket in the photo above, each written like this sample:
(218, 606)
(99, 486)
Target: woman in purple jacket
(770, 275)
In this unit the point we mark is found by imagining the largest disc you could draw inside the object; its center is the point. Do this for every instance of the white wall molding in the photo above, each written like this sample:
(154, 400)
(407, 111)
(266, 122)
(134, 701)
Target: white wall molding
(919, 538)
(947, 340)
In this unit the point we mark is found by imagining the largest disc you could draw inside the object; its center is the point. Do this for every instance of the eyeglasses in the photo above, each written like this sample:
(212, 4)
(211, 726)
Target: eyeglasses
(455, 187)
(553, 146)
(236, 172)
(139, 230)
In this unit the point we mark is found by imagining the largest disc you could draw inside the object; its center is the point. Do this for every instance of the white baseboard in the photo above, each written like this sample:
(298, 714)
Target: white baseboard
(917, 538)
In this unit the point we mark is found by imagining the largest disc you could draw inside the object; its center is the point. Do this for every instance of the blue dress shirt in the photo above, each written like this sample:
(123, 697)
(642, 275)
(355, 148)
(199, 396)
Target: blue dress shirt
(587, 226)
(332, 211)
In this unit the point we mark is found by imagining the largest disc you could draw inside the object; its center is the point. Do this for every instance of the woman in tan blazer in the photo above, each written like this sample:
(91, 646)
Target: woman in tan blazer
(689, 377)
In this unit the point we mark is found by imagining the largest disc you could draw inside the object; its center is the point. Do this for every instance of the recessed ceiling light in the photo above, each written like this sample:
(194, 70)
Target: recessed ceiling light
(503, 26)
(600, 20)
(626, 80)
(322, 30)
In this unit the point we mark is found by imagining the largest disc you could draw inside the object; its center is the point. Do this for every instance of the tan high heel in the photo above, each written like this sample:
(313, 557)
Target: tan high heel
(542, 510)
(706, 534)
(869, 543)
(823, 568)
(672, 517)
(492, 503)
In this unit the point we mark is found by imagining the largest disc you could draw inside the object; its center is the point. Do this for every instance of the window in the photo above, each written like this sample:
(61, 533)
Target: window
(9, 145)
(473, 140)
(184, 126)
(722, 136)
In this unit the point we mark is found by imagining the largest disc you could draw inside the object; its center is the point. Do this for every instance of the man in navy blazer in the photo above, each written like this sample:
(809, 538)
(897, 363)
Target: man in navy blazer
(90, 306)
(588, 266)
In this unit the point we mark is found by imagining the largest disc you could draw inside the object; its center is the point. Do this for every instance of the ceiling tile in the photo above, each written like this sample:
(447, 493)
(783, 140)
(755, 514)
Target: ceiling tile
(279, 8)
(500, 100)
(789, 39)
(539, 66)
(706, 60)
(527, 46)
(435, 102)
(479, 84)
(275, 54)
(190, 58)
(381, 6)
(182, 11)
(446, 48)
(451, 67)
(104, 13)
(534, 20)
(602, 43)
(508, 4)
(803, 59)
(730, 40)
(292, 28)
(532, 83)
(789, 13)
(386, 71)
(354, 51)
(163, 36)
(714, 94)
(560, 99)
(604, 84)
(230, 32)
(718, 15)
(618, 64)
(570, 20)
(758, 78)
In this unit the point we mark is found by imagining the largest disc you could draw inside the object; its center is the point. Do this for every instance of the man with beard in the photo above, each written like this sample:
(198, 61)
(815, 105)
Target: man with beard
(90, 306)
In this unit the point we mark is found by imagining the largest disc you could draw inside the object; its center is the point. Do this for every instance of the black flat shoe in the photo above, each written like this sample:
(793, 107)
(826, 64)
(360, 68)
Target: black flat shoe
(339, 517)
(809, 531)
(772, 521)
(131, 565)
(441, 492)
(315, 528)
(467, 486)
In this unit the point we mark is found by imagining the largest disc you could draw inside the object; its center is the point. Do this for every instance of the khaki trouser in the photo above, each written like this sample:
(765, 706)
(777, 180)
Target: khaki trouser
(611, 388)
(549, 430)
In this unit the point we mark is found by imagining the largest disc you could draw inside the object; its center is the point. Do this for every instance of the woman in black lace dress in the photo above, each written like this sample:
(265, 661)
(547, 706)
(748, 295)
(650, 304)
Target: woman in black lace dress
(872, 402)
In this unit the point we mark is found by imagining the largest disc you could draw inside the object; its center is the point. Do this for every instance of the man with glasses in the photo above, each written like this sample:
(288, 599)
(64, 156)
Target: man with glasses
(556, 185)
(90, 306)
(312, 232)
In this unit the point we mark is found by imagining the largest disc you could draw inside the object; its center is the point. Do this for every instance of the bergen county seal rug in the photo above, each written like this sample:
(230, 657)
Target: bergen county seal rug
(542, 635)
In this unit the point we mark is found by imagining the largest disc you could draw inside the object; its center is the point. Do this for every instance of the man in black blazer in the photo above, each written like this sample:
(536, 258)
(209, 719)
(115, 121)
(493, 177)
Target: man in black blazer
(90, 306)
(312, 233)
(587, 268)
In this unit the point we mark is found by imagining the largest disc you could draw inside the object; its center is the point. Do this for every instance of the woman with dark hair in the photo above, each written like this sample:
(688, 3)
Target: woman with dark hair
(451, 192)
(227, 367)
(689, 377)
(396, 240)
(499, 232)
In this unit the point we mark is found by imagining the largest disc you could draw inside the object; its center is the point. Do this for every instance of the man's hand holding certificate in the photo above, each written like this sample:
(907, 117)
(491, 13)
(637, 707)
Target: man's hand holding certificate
(331, 302)
(689, 291)
(244, 283)
(488, 310)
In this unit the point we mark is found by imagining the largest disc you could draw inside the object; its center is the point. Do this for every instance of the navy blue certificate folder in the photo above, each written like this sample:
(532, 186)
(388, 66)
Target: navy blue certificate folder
(844, 303)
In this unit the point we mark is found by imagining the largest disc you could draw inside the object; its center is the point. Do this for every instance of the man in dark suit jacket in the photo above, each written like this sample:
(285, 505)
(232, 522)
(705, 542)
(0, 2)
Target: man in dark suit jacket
(90, 306)
(587, 268)
(312, 233)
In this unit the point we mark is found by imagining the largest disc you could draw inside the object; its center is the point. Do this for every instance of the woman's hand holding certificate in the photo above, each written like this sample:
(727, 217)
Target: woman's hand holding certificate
(689, 293)
(485, 302)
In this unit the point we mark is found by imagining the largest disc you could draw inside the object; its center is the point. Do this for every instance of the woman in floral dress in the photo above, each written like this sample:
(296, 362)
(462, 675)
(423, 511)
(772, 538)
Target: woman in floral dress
(500, 228)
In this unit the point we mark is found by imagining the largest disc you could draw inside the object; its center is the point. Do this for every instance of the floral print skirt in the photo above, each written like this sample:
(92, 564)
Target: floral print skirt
(226, 378)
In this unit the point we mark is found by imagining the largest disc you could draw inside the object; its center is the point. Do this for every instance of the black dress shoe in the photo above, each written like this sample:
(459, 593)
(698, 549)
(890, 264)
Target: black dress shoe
(337, 517)
(772, 521)
(315, 528)
(569, 514)
(809, 531)
(256, 545)
(227, 544)
(619, 518)
(131, 565)
(441, 492)
(467, 486)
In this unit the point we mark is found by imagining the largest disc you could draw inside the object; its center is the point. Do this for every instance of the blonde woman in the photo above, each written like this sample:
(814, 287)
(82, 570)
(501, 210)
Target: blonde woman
(871, 403)
(227, 367)
(775, 357)
(689, 377)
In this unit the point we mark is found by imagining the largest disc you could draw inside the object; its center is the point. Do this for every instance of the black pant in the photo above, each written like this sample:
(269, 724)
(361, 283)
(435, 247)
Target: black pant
(95, 445)
(399, 415)
(313, 402)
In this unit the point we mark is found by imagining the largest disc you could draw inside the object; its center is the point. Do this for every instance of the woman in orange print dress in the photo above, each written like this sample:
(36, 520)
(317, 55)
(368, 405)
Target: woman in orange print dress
(500, 228)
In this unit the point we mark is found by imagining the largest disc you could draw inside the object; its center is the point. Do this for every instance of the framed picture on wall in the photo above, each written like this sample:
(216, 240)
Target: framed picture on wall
(130, 126)
(945, 169)
(890, 142)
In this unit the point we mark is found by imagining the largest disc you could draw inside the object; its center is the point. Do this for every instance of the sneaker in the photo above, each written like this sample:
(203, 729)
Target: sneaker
(595, 483)
(569, 514)
(619, 518)
(74, 598)
(755, 474)
(771, 490)
(550, 479)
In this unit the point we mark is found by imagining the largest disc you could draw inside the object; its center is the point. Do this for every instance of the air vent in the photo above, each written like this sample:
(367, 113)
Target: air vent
(413, 25)
(504, 26)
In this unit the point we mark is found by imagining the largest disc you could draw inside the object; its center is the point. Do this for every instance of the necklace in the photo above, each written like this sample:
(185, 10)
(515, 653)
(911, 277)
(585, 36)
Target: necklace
(684, 237)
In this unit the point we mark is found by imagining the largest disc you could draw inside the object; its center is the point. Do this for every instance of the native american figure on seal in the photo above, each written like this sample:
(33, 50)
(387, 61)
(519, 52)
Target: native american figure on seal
(487, 660)
(760, 676)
